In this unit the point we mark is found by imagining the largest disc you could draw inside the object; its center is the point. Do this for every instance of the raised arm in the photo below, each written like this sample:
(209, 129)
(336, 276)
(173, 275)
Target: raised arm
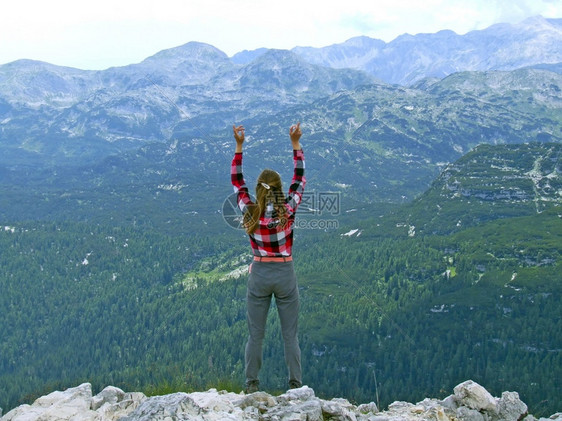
(295, 135)
(239, 136)
(236, 175)
(298, 182)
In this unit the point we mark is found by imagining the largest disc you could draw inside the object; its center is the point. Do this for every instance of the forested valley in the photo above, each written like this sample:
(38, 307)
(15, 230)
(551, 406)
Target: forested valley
(386, 313)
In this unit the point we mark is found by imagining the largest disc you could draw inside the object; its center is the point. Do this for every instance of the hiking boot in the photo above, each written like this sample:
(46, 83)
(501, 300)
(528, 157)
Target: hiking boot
(252, 386)
(294, 384)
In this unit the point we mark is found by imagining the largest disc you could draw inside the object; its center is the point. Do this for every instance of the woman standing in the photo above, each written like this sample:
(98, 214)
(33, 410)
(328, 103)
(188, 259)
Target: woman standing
(269, 224)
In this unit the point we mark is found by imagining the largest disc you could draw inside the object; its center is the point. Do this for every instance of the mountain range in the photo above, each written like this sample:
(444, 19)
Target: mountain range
(409, 58)
(51, 115)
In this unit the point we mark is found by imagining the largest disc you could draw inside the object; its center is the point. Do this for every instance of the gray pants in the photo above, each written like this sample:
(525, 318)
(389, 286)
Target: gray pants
(269, 279)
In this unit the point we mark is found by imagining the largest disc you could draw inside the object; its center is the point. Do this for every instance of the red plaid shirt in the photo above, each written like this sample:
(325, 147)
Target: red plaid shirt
(270, 239)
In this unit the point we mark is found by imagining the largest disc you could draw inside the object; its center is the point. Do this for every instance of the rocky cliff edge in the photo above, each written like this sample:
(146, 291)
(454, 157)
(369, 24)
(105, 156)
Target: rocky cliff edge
(469, 402)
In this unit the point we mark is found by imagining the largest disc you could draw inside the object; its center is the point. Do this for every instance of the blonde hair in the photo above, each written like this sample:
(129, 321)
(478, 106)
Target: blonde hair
(268, 190)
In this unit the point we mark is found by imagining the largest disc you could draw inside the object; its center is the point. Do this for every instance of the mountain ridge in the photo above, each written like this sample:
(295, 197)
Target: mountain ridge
(409, 58)
(50, 113)
(396, 136)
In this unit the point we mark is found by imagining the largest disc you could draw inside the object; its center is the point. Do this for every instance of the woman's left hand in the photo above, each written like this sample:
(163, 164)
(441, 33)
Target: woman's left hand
(239, 136)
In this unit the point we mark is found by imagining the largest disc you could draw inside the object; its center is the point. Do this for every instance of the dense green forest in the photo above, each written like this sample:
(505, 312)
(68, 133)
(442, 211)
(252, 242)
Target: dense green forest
(113, 305)
(394, 305)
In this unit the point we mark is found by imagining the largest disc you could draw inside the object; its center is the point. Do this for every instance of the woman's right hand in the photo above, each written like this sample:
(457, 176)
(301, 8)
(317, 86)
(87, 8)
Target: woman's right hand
(295, 134)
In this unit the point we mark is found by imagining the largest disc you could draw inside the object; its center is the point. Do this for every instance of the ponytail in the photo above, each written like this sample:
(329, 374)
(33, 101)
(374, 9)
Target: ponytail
(269, 192)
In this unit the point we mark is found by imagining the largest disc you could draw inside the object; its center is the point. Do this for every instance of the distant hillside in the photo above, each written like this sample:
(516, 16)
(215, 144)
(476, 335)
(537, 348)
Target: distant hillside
(376, 143)
(491, 182)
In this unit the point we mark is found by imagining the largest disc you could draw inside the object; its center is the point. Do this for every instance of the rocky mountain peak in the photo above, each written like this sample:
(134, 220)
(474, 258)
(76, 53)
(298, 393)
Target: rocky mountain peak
(34, 83)
(191, 51)
(538, 23)
(409, 58)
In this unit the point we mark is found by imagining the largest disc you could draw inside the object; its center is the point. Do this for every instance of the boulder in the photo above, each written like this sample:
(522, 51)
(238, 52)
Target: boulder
(296, 404)
(176, 406)
(426, 410)
(338, 409)
(109, 395)
(467, 414)
(368, 408)
(209, 406)
(304, 393)
(510, 407)
(299, 410)
(112, 410)
(450, 402)
(74, 403)
(474, 396)
(259, 400)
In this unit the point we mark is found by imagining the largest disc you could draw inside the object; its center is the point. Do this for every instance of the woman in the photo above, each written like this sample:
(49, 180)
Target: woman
(269, 224)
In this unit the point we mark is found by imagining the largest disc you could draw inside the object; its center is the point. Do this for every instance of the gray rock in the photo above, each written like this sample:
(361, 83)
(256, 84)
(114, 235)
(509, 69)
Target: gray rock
(110, 394)
(303, 394)
(114, 411)
(297, 410)
(510, 407)
(474, 396)
(467, 414)
(368, 408)
(72, 404)
(556, 417)
(259, 400)
(175, 406)
(215, 406)
(338, 409)
(427, 410)
(450, 402)
(399, 406)
(208, 406)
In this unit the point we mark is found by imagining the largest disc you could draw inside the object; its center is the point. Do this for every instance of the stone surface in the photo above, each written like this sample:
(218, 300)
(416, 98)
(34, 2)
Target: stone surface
(72, 404)
(175, 406)
(116, 410)
(467, 414)
(470, 402)
(510, 407)
(474, 396)
(109, 395)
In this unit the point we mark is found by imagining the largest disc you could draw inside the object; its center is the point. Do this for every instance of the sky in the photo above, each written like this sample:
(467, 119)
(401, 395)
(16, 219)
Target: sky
(97, 34)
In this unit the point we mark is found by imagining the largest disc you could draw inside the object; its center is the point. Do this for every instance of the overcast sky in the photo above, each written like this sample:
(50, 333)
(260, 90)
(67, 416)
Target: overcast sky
(97, 34)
